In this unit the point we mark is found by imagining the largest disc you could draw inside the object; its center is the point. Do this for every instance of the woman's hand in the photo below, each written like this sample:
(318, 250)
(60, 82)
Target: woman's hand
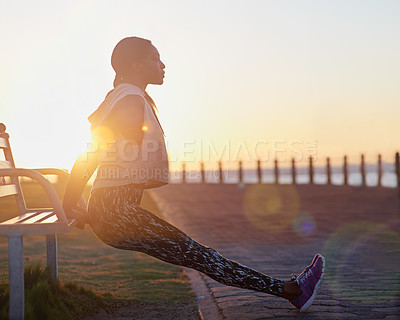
(78, 213)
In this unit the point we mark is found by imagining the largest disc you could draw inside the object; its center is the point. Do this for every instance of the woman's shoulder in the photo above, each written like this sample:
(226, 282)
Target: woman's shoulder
(130, 102)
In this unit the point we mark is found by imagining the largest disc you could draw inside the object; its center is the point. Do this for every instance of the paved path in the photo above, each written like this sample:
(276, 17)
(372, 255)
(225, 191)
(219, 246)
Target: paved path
(278, 229)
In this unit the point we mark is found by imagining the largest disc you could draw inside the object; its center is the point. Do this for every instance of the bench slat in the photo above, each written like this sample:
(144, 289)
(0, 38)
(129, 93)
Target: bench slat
(3, 143)
(36, 228)
(8, 190)
(5, 164)
(22, 217)
(51, 219)
(38, 218)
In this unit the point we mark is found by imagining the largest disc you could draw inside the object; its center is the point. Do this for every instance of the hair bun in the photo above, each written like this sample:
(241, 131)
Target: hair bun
(129, 50)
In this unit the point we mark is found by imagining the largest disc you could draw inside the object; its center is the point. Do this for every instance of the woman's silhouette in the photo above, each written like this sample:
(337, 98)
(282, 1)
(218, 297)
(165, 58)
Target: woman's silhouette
(129, 153)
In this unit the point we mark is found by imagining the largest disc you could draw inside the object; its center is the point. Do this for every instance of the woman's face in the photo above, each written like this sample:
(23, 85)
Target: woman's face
(153, 68)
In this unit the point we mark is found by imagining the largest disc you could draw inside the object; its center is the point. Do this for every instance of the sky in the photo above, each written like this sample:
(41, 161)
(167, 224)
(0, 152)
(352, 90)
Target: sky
(245, 80)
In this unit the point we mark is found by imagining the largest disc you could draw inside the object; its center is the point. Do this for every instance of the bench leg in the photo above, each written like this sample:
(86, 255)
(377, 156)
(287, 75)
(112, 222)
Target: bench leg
(16, 277)
(52, 259)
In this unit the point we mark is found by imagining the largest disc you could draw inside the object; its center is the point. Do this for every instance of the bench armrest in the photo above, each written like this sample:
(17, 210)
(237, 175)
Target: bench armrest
(53, 171)
(60, 173)
(47, 186)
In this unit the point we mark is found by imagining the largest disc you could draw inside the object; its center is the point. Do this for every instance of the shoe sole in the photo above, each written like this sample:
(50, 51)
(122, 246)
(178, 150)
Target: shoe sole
(311, 300)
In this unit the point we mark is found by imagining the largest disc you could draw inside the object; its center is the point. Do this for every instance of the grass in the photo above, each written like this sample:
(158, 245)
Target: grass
(108, 274)
(48, 299)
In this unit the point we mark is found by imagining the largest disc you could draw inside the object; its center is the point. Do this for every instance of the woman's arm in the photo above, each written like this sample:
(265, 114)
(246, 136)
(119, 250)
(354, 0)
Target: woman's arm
(83, 169)
(81, 172)
(126, 119)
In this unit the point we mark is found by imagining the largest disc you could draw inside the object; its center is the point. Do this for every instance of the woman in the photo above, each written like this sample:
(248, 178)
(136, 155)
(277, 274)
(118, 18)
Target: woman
(130, 156)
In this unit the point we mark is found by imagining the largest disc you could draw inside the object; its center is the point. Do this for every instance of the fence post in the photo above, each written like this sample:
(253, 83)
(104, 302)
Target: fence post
(183, 173)
(398, 174)
(276, 171)
(328, 170)
(221, 178)
(293, 172)
(203, 175)
(345, 172)
(362, 169)
(259, 171)
(240, 172)
(398, 169)
(311, 171)
(379, 170)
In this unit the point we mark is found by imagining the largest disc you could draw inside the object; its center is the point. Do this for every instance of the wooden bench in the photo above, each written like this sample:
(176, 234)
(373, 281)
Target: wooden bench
(48, 221)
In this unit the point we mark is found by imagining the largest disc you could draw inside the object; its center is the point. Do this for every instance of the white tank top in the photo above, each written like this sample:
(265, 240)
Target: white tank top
(123, 161)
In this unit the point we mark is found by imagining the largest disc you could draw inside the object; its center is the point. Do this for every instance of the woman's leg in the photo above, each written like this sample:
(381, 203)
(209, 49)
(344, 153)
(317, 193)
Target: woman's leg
(120, 222)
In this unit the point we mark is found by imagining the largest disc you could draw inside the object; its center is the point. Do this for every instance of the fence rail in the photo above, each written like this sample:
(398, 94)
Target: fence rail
(294, 170)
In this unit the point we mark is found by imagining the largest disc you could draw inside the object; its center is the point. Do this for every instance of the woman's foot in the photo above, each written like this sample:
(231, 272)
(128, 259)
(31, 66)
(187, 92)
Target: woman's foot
(291, 290)
(307, 284)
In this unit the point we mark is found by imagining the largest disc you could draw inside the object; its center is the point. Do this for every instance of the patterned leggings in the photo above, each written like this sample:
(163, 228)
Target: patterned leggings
(119, 221)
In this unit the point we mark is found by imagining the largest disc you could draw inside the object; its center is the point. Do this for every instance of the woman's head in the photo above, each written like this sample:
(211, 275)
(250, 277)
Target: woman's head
(137, 60)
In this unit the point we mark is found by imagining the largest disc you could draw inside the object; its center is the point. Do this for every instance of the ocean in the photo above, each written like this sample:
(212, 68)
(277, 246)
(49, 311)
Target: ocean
(388, 178)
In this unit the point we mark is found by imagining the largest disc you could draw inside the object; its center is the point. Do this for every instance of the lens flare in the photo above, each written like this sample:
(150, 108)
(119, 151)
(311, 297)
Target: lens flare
(270, 207)
(363, 262)
(304, 224)
(103, 133)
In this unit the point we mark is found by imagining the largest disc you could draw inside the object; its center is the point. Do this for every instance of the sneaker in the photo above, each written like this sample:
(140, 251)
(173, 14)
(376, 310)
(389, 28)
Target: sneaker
(294, 276)
(309, 281)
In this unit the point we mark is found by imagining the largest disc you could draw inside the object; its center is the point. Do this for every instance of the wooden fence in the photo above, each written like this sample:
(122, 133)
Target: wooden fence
(310, 171)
